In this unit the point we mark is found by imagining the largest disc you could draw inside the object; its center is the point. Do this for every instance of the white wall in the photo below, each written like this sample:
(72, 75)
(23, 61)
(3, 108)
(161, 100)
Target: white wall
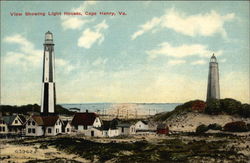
(113, 132)
(5, 128)
(97, 122)
(97, 133)
(132, 129)
(125, 130)
(68, 128)
(17, 119)
(141, 126)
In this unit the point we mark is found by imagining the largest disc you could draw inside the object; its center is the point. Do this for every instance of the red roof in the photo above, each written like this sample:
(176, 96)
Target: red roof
(45, 120)
(85, 119)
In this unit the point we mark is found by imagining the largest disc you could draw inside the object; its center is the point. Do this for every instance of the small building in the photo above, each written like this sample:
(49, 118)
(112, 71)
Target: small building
(162, 129)
(108, 129)
(141, 126)
(66, 127)
(84, 121)
(13, 124)
(126, 129)
(37, 125)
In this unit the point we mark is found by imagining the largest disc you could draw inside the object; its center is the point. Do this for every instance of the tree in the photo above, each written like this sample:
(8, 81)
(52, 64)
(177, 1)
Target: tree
(230, 106)
(213, 107)
(245, 111)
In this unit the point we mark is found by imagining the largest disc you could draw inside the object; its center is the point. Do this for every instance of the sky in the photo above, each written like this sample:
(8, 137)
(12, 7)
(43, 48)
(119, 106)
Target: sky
(157, 52)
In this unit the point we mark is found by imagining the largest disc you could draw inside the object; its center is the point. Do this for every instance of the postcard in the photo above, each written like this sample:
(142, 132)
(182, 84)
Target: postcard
(125, 81)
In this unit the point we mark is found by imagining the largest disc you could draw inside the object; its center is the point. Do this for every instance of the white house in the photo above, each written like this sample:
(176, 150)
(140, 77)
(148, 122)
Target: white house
(13, 124)
(38, 125)
(3, 127)
(66, 127)
(126, 129)
(141, 126)
(108, 129)
(84, 121)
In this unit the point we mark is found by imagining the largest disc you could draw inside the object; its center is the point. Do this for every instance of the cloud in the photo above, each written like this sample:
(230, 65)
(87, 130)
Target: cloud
(27, 56)
(176, 62)
(206, 24)
(146, 27)
(99, 61)
(66, 65)
(182, 51)
(90, 36)
(199, 62)
(75, 22)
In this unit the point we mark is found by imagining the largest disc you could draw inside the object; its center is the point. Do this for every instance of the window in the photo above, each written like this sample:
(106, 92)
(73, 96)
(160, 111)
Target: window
(122, 129)
(67, 129)
(29, 123)
(140, 126)
(49, 130)
(33, 123)
(85, 127)
(3, 129)
(57, 130)
(0, 128)
(16, 121)
(33, 130)
(29, 130)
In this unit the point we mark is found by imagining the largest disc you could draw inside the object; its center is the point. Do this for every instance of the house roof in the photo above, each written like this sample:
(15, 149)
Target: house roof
(85, 119)
(9, 119)
(145, 122)
(22, 118)
(45, 120)
(108, 125)
(127, 125)
(65, 122)
(49, 120)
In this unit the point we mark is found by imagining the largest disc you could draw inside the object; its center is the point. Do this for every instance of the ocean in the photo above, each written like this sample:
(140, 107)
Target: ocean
(124, 108)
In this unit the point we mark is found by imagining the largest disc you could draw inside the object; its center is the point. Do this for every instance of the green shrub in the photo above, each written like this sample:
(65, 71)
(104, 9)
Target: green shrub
(202, 129)
(214, 126)
(213, 107)
(238, 126)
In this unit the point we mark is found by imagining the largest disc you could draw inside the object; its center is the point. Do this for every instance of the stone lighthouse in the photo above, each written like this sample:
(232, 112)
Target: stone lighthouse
(48, 88)
(213, 86)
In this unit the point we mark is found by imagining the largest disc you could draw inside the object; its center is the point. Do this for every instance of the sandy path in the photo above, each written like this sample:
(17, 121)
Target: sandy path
(20, 154)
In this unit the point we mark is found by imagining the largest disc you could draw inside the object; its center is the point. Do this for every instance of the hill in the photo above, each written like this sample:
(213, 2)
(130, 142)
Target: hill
(225, 106)
(31, 108)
